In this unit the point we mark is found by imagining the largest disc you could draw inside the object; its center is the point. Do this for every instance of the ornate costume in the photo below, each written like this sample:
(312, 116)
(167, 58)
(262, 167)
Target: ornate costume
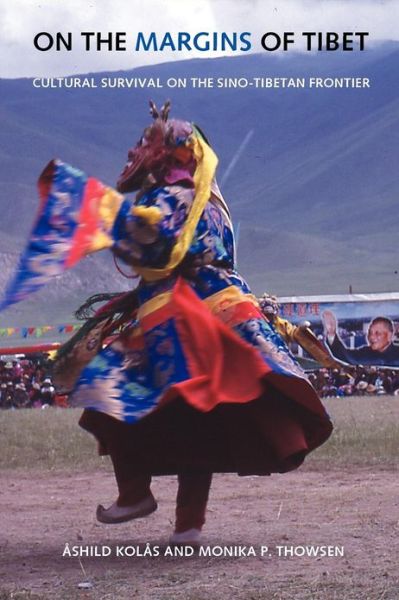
(196, 380)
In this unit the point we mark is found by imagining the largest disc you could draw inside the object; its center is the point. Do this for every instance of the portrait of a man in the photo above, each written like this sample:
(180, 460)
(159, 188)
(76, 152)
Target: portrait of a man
(380, 349)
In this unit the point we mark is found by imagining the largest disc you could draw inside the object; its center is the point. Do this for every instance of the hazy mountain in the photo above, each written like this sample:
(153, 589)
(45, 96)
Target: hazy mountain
(311, 175)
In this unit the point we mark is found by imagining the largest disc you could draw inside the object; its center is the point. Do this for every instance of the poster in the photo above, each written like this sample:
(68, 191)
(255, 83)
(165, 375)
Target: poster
(299, 100)
(356, 329)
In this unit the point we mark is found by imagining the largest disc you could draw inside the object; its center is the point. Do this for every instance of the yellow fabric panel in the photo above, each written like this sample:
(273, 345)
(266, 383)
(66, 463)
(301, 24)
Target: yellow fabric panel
(228, 297)
(108, 206)
(285, 329)
(100, 241)
(204, 173)
(151, 214)
(154, 304)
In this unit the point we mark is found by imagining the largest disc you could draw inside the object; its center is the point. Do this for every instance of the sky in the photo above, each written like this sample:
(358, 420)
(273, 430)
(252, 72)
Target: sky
(21, 20)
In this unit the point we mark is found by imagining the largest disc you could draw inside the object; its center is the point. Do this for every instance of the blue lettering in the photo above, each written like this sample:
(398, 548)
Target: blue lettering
(167, 42)
(197, 45)
(146, 45)
(245, 43)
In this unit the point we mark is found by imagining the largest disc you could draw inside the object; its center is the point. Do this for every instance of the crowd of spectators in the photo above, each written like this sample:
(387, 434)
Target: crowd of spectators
(355, 381)
(25, 382)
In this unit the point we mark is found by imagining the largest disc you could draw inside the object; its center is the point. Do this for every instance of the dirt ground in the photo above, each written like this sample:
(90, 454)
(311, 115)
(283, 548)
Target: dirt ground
(355, 512)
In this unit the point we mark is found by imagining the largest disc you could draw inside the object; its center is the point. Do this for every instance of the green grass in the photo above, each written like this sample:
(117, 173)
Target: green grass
(46, 439)
(366, 433)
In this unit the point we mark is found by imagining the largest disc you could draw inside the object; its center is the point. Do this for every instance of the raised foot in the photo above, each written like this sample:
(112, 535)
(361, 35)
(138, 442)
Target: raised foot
(121, 514)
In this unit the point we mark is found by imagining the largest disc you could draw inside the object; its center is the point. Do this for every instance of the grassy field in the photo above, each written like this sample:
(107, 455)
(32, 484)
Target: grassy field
(366, 433)
(345, 495)
(46, 440)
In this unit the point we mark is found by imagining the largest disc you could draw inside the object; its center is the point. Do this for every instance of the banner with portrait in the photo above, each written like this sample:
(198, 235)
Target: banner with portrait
(357, 329)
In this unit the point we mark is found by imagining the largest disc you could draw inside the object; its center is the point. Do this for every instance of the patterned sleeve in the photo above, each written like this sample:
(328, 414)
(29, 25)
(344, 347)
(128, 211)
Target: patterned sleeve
(146, 230)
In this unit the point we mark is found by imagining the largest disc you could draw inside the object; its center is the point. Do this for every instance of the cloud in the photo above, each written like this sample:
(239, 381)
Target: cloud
(21, 20)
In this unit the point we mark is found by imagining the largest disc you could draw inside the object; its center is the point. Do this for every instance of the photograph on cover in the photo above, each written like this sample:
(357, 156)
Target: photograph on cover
(199, 308)
(357, 330)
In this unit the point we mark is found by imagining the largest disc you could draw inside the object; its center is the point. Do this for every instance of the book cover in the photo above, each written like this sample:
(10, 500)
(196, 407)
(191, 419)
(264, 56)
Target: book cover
(299, 101)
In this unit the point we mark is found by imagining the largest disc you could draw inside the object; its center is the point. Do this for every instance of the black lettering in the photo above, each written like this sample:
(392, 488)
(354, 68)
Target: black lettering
(275, 37)
(43, 46)
(111, 41)
(332, 42)
(361, 35)
(87, 35)
(44, 41)
(308, 35)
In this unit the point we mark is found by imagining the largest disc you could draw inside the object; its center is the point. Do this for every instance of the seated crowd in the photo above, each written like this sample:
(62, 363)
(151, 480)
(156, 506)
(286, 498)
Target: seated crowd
(27, 383)
(355, 381)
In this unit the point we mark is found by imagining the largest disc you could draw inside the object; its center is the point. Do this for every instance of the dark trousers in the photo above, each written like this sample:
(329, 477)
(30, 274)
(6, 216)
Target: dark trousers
(191, 500)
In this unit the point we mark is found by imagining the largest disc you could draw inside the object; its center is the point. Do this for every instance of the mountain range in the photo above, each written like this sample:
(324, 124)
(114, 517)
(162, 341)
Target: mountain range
(310, 175)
